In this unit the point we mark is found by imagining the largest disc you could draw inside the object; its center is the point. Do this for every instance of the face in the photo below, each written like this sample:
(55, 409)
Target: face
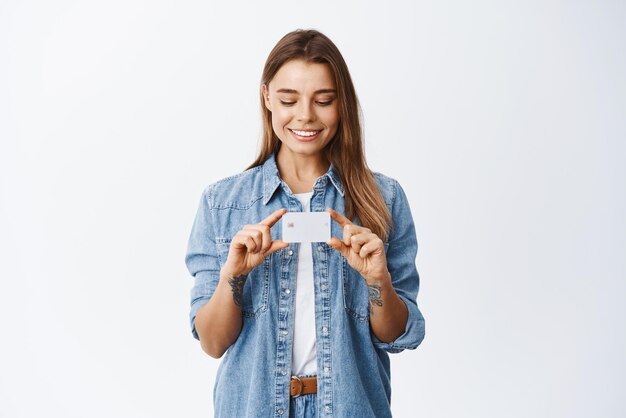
(302, 99)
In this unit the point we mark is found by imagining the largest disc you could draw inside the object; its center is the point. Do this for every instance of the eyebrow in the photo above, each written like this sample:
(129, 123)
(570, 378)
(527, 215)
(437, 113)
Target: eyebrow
(292, 91)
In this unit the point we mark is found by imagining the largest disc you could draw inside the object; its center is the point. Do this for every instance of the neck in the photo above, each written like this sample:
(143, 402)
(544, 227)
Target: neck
(300, 171)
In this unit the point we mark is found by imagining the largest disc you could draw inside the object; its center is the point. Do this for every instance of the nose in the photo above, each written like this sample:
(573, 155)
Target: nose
(305, 112)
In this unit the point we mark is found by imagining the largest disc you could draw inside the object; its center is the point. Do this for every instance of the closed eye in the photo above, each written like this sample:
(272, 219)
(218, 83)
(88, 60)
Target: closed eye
(320, 103)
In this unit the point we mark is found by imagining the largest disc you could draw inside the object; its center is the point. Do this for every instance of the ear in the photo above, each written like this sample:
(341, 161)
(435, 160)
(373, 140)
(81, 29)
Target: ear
(266, 99)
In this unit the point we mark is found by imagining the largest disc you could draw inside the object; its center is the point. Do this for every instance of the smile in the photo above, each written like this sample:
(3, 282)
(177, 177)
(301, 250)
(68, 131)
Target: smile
(304, 133)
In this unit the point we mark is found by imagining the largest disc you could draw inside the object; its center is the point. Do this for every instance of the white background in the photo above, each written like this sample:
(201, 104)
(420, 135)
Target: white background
(504, 121)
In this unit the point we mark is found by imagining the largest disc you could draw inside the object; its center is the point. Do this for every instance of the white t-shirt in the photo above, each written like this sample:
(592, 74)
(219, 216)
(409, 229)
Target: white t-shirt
(304, 359)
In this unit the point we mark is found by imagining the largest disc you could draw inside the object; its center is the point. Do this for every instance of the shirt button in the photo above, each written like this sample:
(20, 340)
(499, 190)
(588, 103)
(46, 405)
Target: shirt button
(284, 332)
(327, 409)
(287, 291)
(325, 330)
(284, 373)
(326, 369)
(324, 287)
(320, 248)
(280, 412)
(290, 252)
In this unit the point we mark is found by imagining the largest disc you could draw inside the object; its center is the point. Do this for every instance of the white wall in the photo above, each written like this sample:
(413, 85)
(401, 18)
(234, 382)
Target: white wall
(504, 121)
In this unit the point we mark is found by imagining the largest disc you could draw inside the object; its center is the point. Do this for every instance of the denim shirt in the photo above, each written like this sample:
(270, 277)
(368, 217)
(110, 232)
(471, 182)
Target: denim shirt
(352, 364)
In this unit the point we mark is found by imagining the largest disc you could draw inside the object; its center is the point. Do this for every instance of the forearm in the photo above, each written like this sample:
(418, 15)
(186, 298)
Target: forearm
(218, 322)
(388, 313)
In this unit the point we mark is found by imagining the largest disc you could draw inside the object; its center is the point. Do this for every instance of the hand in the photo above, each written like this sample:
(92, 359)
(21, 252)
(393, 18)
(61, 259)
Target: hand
(251, 245)
(364, 250)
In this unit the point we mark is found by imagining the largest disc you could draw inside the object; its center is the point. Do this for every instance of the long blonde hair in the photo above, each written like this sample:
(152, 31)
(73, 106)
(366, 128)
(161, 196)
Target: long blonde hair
(345, 151)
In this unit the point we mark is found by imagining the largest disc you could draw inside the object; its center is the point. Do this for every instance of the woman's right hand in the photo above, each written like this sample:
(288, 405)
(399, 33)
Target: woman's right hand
(251, 245)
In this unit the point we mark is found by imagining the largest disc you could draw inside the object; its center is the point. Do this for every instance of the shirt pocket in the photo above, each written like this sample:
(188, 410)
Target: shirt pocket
(355, 291)
(256, 288)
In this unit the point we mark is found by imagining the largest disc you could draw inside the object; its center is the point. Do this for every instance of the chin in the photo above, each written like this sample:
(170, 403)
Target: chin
(307, 150)
(302, 148)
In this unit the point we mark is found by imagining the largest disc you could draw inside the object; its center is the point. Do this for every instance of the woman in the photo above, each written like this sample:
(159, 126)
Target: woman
(306, 328)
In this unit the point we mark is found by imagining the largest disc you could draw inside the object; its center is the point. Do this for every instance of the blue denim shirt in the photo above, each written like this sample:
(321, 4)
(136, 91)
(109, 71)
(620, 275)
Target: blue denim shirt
(353, 365)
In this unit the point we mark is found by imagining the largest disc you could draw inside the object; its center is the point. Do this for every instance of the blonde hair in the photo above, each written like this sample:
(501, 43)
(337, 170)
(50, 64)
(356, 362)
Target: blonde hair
(345, 152)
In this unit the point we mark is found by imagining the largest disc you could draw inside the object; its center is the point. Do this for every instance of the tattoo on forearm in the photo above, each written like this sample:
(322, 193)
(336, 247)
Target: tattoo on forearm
(375, 297)
(236, 284)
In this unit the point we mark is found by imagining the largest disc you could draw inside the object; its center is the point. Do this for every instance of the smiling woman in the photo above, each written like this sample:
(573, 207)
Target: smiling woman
(306, 327)
(302, 100)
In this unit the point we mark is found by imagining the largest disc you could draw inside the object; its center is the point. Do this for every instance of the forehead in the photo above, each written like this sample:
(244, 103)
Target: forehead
(303, 76)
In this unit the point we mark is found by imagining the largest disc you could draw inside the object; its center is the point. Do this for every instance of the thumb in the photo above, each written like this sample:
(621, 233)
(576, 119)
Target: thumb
(279, 244)
(338, 245)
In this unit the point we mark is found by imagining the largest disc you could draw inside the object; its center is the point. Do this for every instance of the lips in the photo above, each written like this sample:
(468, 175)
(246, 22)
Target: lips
(305, 132)
(305, 135)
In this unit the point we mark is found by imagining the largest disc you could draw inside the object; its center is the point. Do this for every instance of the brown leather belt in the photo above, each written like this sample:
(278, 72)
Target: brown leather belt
(302, 386)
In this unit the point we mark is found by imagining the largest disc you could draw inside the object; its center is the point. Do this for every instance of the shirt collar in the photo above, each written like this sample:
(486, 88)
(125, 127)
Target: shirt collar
(271, 179)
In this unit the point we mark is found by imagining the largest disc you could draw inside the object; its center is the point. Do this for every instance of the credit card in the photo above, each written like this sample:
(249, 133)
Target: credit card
(306, 226)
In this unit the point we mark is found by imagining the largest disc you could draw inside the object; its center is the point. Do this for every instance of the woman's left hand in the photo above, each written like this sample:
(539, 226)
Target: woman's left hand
(364, 250)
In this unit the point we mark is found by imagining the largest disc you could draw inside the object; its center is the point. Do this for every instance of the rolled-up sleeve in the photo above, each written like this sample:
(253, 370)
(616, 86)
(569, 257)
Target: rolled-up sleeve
(201, 258)
(401, 255)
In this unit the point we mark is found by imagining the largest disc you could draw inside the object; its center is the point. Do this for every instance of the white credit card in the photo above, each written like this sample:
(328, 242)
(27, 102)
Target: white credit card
(306, 226)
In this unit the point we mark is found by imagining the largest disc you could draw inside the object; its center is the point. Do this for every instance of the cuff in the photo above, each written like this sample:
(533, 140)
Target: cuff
(413, 333)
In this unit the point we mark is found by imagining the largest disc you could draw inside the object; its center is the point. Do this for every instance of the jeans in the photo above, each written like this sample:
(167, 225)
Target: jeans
(303, 406)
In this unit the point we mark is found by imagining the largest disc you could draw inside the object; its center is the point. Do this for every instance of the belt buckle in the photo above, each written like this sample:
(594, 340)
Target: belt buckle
(297, 379)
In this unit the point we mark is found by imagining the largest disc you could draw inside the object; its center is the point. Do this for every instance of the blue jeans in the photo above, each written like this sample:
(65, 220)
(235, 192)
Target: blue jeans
(303, 406)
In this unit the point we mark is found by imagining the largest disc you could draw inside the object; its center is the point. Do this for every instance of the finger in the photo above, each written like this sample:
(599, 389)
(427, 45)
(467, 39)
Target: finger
(240, 243)
(274, 217)
(339, 246)
(246, 238)
(251, 244)
(359, 239)
(265, 237)
(338, 217)
(362, 238)
(356, 242)
(349, 231)
(279, 244)
(370, 248)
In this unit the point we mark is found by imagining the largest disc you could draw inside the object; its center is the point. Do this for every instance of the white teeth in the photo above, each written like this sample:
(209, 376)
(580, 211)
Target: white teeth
(304, 133)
